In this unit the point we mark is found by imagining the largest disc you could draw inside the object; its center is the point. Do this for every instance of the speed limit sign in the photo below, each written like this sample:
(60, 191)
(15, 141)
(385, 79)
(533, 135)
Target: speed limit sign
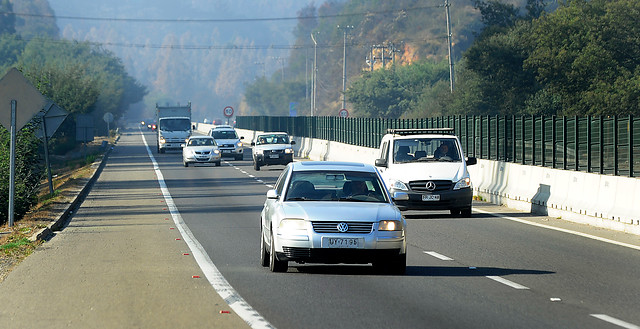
(343, 113)
(228, 111)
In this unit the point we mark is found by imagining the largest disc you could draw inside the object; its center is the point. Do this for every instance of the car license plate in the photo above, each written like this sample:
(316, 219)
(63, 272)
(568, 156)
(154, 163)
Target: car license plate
(274, 156)
(340, 242)
(431, 197)
(226, 151)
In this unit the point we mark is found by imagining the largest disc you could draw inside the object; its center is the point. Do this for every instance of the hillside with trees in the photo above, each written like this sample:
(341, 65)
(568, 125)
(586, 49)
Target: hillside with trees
(574, 58)
(79, 77)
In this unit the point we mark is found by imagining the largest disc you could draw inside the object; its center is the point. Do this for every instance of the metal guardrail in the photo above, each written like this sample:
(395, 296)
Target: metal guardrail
(604, 145)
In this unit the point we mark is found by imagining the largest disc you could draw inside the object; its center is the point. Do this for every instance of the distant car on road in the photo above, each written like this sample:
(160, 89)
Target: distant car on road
(200, 149)
(272, 148)
(229, 143)
(332, 212)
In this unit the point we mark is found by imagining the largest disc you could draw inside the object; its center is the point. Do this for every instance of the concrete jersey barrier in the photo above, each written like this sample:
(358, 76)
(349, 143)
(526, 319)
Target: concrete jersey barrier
(611, 202)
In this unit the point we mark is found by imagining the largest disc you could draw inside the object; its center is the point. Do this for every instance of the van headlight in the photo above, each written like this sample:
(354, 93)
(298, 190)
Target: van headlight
(399, 185)
(239, 145)
(288, 151)
(162, 140)
(463, 183)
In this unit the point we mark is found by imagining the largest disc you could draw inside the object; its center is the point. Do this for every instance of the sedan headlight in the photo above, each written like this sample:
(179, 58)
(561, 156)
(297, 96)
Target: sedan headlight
(292, 224)
(390, 225)
(463, 183)
(398, 185)
(288, 151)
(216, 151)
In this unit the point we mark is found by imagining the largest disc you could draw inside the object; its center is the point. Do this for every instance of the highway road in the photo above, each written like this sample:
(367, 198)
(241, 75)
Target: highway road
(489, 271)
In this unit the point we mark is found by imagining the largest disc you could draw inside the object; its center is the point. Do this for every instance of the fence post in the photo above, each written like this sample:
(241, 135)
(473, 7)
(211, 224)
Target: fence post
(577, 142)
(554, 132)
(533, 140)
(601, 157)
(564, 143)
(615, 145)
(630, 132)
(589, 139)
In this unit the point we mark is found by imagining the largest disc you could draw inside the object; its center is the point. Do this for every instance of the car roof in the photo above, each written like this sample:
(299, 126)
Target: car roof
(201, 136)
(423, 136)
(227, 127)
(272, 133)
(331, 165)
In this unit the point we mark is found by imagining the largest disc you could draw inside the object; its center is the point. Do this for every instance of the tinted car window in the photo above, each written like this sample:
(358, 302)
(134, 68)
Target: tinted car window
(224, 134)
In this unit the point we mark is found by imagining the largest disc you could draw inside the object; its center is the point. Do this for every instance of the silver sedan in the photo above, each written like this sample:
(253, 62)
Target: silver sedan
(200, 149)
(332, 212)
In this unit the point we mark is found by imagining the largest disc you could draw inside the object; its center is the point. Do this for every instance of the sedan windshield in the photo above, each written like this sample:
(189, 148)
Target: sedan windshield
(335, 186)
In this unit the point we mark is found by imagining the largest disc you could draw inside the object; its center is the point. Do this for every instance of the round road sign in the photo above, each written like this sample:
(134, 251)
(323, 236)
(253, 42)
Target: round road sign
(343, 113)
(228, 111)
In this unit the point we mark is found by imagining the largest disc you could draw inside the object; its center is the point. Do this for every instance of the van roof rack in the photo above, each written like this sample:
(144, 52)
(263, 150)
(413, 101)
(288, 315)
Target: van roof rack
(405, 132)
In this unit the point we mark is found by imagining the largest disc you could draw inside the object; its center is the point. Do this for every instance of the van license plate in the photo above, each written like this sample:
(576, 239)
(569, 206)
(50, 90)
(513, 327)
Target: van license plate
(431, 197)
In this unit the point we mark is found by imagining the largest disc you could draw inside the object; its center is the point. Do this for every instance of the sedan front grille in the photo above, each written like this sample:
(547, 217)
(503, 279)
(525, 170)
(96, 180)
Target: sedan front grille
(203, 152)
(332, 227)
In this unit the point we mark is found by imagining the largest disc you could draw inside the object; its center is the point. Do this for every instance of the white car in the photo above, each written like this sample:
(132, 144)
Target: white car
(273, 148)
(229, 144)
(332, 212)
(200, 149)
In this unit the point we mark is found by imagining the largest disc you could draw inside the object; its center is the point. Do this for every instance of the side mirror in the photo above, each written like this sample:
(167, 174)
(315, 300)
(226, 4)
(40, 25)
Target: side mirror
(253, 143)
(381, 163)
(241, 137)
(400, 196)
(193, 127)
(293, 142)
(471, 161)
(272, 194)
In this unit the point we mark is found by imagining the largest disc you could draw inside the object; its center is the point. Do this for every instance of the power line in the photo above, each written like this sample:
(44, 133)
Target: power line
(227, 47)
(213, 20)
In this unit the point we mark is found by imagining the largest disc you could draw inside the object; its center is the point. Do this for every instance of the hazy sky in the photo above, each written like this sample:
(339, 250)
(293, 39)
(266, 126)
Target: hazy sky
(210, 78)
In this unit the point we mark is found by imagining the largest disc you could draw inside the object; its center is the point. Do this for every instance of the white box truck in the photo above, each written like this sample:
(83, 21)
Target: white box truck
(173, 126)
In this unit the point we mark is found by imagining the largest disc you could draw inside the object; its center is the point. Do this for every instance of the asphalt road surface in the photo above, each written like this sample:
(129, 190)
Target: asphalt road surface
(491, 270)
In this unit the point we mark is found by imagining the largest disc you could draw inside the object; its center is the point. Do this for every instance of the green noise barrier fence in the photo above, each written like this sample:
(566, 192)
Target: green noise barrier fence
(604, 145)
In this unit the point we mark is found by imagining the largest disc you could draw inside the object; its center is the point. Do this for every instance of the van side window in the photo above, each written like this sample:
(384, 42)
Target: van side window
(385, 151)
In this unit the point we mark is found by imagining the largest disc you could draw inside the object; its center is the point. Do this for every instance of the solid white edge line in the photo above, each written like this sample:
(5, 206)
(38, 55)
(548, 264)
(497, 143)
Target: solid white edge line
(615, 321)
(507, 282)
(437, 255)
(211, 272)
(585, 235)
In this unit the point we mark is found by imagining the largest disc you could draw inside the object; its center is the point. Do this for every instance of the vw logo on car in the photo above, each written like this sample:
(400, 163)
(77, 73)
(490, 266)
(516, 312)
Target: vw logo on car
(343, 227)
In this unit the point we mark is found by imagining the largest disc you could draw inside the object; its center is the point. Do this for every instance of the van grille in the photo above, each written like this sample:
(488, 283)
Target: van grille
(421, 185)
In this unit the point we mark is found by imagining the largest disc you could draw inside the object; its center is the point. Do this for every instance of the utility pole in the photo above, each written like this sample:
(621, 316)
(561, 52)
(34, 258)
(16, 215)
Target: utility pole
(281, 60)
(263, 68)
(314, 75)
(344, 64)
(451, 76)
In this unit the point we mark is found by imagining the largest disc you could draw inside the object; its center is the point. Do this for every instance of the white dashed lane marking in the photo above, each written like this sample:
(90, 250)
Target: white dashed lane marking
(248, 174)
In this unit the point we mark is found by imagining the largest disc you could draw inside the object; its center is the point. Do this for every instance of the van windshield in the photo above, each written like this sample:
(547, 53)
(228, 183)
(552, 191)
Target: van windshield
(426, 149)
